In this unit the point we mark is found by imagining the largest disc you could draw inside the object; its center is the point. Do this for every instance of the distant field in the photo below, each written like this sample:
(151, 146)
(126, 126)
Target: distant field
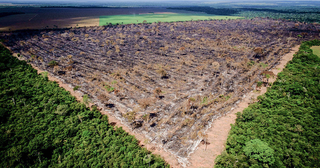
(40, 18)
(156, 17)
(316, 50)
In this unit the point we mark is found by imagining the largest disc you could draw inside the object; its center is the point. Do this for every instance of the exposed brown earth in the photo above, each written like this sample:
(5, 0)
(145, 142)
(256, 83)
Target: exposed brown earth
(165, 81)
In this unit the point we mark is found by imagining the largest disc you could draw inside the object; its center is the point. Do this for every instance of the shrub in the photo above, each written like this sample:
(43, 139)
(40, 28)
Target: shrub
(109, 88)
(52, 63)
(259, 84)
(204, 100)
(76, 88)
(250, 64)
(263, 65)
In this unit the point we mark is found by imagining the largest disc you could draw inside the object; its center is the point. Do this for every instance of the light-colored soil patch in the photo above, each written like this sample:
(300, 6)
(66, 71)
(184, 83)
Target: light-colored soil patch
(316, 50)
(218, 133)
(79, 22)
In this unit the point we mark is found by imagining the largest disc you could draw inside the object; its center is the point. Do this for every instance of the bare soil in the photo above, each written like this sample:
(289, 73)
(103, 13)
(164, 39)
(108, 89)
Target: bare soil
(205, 155)
(166, 81)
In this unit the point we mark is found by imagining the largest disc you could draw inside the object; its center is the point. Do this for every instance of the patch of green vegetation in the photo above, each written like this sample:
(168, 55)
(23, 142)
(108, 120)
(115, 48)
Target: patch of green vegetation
(259, 84)
(204, 100)
(76, 88)
(191, 99)
(42, 125)
(114, 82)
(316, 50)
(52, 63)
(227, 97)
(282, 129)
(250, 64)
(109, 88)
(263, 65)
(150, 18)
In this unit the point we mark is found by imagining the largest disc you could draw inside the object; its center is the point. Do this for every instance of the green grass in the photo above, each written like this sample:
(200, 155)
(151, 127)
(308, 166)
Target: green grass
(150, 18)
(316, 50)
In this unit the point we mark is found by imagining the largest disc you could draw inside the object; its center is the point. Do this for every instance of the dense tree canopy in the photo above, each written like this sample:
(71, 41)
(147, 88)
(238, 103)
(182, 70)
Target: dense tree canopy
(285, 120)
(42, 125)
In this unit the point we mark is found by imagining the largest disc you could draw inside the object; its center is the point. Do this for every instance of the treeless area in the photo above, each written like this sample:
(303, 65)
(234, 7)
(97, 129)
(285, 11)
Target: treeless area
(205, 155)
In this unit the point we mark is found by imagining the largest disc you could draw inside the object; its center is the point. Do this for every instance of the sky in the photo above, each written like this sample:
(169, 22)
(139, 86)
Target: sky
(92, 2)
(86, 1)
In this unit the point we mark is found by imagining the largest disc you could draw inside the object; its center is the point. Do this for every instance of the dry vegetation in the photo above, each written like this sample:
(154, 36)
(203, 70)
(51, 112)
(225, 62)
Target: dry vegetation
(166, 80)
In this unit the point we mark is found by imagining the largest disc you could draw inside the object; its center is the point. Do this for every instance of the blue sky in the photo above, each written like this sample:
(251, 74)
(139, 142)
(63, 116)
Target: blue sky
(26, 1)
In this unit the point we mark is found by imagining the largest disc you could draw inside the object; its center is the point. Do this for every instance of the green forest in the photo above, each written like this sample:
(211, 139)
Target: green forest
(283, 128)
(42, 125)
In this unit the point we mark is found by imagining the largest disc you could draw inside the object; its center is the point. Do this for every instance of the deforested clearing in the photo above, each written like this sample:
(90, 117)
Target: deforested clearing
(168, 81)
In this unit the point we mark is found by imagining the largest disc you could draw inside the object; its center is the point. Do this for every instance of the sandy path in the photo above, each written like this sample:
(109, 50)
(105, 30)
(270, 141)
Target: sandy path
(219, 131)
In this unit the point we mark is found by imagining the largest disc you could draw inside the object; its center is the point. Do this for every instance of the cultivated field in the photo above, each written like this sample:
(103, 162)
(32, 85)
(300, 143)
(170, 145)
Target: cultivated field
(168, 81)
(158, 17)
(41, 18)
